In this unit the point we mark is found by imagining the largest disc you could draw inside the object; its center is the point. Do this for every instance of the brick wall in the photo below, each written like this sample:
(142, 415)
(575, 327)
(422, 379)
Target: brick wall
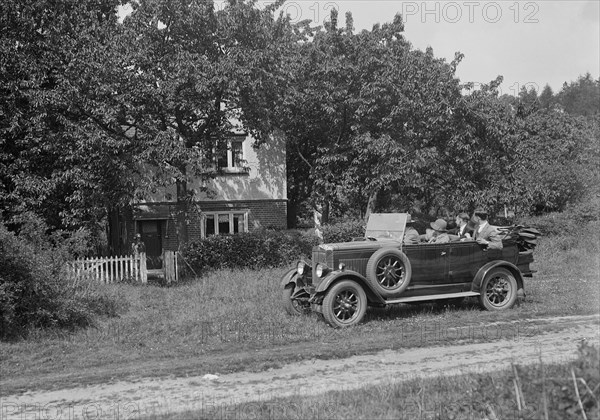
(261, 213)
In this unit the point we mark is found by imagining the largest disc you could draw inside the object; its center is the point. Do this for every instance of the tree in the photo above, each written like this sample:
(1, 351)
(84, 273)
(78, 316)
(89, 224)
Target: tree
(372, 113)
(581, 97)
(62, 154)
(546, 98)
(484, 142)
(559, 161)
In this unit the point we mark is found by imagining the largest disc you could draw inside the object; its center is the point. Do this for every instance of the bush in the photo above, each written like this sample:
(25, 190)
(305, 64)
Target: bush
(344, 231)
(256, 250)
(570, 220)
(34, 293)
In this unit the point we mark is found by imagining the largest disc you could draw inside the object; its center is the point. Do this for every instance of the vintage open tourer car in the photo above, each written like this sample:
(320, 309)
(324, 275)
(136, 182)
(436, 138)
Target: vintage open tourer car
(343, 279)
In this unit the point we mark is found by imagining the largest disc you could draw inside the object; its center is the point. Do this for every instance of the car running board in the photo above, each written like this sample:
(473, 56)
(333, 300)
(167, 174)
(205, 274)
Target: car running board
(431, 297)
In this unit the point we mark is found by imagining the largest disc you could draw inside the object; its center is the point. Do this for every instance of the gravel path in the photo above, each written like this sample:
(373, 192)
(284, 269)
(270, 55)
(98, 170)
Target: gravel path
(154, 397)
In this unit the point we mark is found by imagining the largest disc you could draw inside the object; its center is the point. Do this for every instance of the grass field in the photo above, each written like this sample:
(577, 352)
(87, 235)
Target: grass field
(233, 320)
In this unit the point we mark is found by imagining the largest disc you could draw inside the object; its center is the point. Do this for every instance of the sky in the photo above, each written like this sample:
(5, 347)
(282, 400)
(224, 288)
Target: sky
(529, 43)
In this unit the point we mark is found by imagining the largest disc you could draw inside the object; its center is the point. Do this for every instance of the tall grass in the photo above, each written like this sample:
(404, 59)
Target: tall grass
(568, 273)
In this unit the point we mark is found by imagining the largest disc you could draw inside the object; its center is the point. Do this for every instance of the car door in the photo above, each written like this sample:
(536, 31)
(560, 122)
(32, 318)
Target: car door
(429, 263)
(464, 260)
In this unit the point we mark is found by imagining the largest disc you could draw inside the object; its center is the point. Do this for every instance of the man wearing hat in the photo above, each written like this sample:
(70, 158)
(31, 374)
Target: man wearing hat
(411, 236)
(440, 234)
(485, 234)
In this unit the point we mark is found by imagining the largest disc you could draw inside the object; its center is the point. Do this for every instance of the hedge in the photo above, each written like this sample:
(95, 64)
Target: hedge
(263, 248)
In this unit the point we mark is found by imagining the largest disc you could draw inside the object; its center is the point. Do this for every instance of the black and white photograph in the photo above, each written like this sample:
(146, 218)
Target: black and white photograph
(299, 209)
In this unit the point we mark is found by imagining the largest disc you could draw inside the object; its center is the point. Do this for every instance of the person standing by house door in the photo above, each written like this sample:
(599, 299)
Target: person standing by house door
(138, 246)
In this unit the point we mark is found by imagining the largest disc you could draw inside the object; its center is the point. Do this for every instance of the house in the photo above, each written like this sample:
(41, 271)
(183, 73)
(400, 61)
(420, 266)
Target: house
(250, 191)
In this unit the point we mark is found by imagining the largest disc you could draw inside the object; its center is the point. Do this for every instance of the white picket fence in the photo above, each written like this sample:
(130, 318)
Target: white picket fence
(112, 269)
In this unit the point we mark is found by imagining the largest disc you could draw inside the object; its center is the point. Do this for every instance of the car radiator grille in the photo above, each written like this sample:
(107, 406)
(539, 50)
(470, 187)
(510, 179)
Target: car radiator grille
(355, 264)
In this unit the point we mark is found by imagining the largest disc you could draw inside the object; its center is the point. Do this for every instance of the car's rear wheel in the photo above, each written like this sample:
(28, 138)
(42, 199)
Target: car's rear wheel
(344, 304)
(389, 272)
(293, 307)
(498, 290)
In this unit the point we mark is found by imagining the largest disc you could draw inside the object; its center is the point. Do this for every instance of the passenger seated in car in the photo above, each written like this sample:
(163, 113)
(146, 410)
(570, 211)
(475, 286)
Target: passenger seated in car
(463, 230)
(426, 237)
(486, 234)
(411, 236)
(440, 234)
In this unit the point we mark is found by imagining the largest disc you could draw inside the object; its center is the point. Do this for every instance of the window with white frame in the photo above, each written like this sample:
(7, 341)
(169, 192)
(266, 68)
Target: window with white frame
(224, 222)
(230, 155)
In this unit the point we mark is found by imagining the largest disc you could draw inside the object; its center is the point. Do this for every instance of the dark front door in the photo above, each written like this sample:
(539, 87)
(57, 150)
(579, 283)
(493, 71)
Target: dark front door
(151, 231)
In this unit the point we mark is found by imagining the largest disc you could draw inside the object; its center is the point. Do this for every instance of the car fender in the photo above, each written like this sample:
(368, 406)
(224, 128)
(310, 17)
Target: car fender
(289, 277)
(336, 276)
(478, 279)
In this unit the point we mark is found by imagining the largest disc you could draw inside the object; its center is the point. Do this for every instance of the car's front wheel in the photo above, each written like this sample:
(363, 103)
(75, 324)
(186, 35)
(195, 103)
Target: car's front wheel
(344, 304)
(293, 307)
(498, 290)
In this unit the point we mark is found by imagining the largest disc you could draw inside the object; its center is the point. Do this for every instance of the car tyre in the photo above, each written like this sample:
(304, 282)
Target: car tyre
(293, 306)
(389, 272)
(345, 304)
(498, 290)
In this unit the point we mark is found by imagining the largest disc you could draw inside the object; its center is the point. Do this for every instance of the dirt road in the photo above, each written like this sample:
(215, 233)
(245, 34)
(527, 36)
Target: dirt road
(555, 340)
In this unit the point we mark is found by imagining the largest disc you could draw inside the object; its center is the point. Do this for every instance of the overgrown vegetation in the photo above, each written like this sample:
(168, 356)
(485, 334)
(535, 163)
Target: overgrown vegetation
(36, 291)
(571, 220)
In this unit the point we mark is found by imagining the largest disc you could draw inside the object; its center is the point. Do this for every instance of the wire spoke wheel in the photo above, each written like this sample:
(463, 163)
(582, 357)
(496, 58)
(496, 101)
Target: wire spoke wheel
(389, 271)
(344, 304)
(499, 290)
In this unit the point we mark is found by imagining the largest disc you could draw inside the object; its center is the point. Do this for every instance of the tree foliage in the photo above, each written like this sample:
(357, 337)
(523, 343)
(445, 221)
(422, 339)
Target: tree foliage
(63, 155)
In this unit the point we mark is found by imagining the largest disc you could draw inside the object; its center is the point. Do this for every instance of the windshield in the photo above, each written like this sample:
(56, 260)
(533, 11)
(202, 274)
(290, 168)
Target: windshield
(386, 225)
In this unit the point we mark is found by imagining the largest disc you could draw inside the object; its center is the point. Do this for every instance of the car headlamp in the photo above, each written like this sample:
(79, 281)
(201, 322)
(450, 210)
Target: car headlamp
(301, 267)
(321, 270)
